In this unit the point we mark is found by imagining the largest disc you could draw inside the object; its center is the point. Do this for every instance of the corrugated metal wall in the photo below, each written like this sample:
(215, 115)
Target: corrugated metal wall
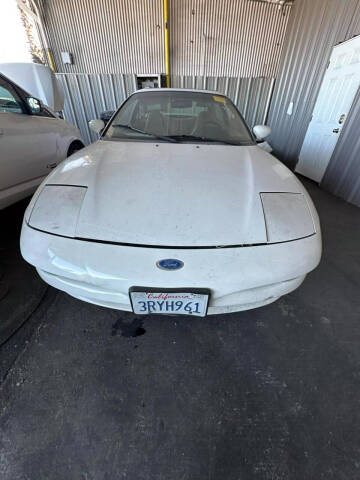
(315, 26)
(227, 38)
(231, 38)
(87, 95)
(106, 36)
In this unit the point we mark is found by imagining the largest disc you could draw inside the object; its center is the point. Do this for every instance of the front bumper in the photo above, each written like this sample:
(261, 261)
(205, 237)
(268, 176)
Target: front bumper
(239, 278)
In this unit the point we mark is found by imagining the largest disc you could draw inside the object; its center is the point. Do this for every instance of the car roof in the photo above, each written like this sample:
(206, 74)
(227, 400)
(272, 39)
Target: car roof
(15, 85)
(192, 90)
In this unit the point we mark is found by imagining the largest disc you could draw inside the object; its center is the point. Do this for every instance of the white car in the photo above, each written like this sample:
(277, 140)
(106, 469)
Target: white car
(175, 210)
(33, 140)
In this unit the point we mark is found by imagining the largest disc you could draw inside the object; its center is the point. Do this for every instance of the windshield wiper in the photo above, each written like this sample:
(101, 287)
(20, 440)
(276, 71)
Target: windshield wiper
(202, 139)
(159, 137)
(174, 138)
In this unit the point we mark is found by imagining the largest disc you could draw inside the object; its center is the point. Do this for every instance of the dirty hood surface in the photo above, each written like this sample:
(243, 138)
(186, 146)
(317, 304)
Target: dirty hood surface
(169, 194)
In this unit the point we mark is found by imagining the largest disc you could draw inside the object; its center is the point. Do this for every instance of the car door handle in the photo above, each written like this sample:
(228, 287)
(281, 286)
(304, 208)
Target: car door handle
(336, 130)
(51, 165)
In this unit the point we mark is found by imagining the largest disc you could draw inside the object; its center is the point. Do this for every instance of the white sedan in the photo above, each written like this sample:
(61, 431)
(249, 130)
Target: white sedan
(175, 210)
(33, 140)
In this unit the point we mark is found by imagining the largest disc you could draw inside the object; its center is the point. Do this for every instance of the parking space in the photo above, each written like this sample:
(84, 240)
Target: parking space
(272, 393)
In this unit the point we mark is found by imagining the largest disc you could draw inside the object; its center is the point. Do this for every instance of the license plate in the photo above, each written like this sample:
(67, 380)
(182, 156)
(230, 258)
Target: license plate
(180, 302)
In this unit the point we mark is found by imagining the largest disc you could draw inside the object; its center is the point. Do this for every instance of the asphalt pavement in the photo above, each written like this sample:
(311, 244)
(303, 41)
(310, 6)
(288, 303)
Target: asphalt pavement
(89, 393)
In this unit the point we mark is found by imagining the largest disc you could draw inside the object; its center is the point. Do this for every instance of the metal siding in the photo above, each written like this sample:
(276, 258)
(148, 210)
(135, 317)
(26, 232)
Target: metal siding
(354, 27)
(208, 37)
(315, 26)
(228, 38)
(342, 176)
(88, 95)
(108, 36)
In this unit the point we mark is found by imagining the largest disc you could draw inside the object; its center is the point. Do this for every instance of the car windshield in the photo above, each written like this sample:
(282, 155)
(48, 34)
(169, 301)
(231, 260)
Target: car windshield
(179, 116)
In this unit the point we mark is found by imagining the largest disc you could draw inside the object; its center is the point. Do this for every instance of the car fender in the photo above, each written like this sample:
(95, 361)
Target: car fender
(70, 134)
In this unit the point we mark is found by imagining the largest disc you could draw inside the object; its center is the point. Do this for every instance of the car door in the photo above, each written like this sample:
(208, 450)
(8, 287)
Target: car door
(28, 146)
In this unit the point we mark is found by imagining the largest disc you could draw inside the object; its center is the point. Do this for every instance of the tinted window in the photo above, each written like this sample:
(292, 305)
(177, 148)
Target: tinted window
(186, 116)
(9, 100)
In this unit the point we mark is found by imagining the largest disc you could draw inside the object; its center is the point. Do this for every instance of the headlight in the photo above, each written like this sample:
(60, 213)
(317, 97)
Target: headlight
(57, 208)
(287, 216)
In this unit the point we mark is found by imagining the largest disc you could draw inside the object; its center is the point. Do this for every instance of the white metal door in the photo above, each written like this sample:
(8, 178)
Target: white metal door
(337, 92)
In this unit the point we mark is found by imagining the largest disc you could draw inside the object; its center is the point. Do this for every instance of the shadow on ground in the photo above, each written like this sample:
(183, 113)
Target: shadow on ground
(21, 289)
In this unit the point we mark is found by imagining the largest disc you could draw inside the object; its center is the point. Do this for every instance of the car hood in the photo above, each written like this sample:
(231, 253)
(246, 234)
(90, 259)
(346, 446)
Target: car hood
(169, 194)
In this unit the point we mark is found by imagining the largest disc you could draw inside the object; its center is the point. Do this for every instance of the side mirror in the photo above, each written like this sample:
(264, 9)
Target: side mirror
(261, 132)
(105, 116)
(96, 125)
(34, 104)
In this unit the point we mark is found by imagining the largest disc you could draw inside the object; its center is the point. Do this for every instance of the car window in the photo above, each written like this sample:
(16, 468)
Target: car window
(9, 100)
(183, 115)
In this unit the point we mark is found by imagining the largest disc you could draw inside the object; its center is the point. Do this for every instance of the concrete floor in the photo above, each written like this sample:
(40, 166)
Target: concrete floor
(274, 393)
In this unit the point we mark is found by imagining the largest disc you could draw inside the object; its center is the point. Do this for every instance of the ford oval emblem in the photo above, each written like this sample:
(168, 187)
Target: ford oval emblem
(170, 264)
